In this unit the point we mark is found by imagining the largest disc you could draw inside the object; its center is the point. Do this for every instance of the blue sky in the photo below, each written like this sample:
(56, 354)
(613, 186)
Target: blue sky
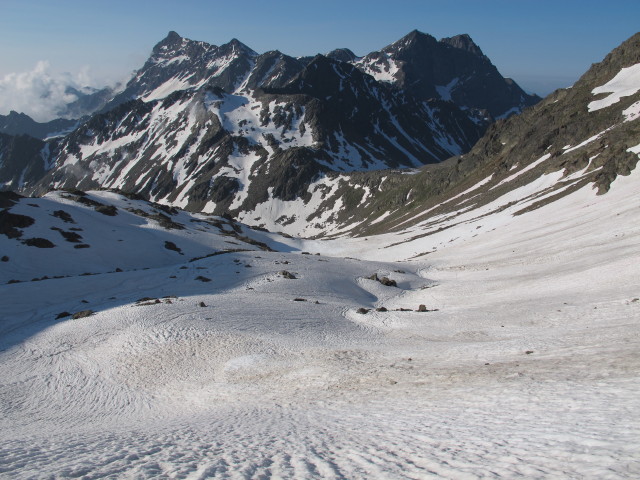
(541, 44)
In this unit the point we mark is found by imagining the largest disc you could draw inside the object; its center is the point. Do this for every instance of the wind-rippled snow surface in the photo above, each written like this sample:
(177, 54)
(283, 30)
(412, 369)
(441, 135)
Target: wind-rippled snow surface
(526, 365)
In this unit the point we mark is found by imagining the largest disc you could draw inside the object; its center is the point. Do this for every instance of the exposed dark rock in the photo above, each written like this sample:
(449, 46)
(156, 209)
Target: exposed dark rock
(150, 303)
(12, 223)
(9, 199)
(24, 161)
(387, 282)
(71, 237)
(172, 246)
(108, 210)
(145, 299)
(82, 314)
(64, 216)
(362, 311)
(203, 279)
(62, 315)
(38, 242)
(286, 274)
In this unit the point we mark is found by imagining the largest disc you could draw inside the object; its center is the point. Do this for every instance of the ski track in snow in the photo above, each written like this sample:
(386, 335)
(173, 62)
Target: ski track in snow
(527, 367)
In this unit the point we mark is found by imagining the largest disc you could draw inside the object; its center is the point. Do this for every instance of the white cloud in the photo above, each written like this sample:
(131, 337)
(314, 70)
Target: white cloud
(40, 93)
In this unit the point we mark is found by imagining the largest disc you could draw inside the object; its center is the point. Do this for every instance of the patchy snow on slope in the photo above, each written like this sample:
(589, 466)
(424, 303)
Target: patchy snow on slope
(632, 113)
(445, 90)
(241, 115)
(471, 189)
(625, 83)
(569, 148)
(167, 88)
(383, 70)
(297, 218)
(239, 166)
(529, 167)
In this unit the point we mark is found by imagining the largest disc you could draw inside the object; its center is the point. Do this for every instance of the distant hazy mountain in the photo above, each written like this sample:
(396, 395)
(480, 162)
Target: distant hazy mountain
(21, 124)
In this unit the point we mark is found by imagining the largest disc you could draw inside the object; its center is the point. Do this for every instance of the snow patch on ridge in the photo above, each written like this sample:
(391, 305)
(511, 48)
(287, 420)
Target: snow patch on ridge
(624, 84)
(384, 70)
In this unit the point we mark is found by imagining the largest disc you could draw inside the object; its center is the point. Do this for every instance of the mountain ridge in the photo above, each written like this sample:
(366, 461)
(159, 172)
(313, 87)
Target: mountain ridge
(324, 113)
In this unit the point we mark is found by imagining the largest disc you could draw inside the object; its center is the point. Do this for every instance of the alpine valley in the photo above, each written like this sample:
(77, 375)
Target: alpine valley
(244, 265)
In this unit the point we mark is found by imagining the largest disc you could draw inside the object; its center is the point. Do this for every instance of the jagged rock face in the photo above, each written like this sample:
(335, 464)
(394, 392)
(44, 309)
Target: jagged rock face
(272, 70)
(178, 63)
(452, 69)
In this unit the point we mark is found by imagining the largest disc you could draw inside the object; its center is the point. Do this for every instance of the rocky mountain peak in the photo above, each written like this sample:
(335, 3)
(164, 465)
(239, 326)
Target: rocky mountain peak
(463, 42)
(170, 42)
(453, 69)
(413, 40)
(342, 55)
(238, 47)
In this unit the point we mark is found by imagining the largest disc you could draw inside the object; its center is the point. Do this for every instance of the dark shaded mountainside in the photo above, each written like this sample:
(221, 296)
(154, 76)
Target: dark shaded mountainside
(452, 69)
(20, 124)
(223, 129)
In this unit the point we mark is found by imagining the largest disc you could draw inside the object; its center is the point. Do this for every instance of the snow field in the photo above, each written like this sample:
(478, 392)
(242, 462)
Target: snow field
(526, 365)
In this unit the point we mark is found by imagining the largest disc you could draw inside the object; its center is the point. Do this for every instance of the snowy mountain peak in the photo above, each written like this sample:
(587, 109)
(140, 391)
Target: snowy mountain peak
(168, 45)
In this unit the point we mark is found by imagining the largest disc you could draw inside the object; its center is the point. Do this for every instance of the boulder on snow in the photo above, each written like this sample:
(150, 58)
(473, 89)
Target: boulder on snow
(38, 242)
(388, 282)
(286, 274)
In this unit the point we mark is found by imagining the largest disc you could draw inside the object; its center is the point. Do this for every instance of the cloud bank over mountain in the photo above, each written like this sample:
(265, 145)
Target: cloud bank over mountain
(41, 93)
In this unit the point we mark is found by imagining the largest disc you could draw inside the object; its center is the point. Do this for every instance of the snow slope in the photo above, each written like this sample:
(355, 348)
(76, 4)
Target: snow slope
(525, 366)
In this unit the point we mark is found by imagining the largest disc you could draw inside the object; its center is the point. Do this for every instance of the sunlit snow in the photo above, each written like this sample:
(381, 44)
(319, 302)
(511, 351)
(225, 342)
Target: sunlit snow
(625, 83)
